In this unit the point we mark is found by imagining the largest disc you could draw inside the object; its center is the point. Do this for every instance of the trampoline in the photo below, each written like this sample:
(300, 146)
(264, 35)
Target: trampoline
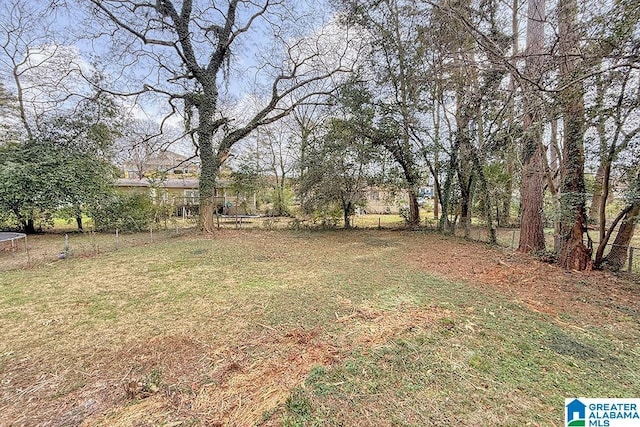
(9, 240)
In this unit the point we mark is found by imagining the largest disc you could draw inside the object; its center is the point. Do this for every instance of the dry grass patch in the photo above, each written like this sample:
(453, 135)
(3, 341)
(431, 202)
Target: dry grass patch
(309, 328)
(213, 329)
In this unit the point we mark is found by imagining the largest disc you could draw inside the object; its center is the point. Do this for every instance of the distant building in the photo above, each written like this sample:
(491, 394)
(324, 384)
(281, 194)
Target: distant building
(172, 180)
(160, 164)
(384, 201)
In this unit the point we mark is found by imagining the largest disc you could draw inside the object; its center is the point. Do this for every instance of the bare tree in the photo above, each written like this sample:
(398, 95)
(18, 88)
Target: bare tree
(617, 130)
(191, 46)
(280, 149)
(46, 74)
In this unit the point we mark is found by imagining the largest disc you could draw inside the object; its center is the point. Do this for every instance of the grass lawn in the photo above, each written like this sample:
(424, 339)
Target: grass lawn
(271, 328)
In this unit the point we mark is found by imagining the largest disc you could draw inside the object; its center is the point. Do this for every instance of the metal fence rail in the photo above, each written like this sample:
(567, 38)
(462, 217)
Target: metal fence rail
(92, 243)
(509, 238)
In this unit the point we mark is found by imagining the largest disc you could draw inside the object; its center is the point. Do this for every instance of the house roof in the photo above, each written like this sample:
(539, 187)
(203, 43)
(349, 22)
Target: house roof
(183, 183)
(161, 160)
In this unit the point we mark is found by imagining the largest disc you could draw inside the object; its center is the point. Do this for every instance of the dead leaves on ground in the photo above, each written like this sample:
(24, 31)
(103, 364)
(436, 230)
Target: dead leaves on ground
(239, 384)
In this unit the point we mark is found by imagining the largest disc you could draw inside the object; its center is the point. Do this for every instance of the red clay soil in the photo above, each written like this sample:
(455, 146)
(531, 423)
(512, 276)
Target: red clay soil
(598, 296)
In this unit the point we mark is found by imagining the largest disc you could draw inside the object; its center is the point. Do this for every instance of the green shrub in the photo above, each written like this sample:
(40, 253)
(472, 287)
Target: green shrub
(8, 222)
(327, 216)
(124, 212)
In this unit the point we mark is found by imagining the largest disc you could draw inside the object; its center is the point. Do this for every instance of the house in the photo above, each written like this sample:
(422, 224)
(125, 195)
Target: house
(380, 200)
(183, 195)
(165, 164)
(171, 179)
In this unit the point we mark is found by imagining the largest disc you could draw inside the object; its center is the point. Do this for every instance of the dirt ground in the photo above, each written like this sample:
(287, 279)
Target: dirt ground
(542, 286)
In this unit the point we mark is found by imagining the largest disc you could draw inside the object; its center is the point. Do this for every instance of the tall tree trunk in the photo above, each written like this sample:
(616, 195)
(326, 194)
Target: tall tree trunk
(503, 209)
(531, 191)
(602, 205)
(346, 209)
(616, 258)
(29, 226)
(445, 225)
(504, 215)
(466, 190)
(596, 201)
(531, 195)
(414, 207)
(465, 164)
(604, 152)
(436, 203)
(484, 188)
(209, 167)
(552, 170)
(78, 216)
(573, 219)
(435, 169)
(412, 177)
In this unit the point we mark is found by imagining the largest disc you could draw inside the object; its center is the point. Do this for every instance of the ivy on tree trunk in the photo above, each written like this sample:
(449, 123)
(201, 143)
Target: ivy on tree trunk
(573, 219)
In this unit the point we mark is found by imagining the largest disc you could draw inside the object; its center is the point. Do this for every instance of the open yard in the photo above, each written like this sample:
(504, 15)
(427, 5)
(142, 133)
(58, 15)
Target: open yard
(304, 328)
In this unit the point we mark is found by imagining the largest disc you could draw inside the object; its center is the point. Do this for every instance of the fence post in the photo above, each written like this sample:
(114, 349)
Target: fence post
(26, 248)
(630, 266)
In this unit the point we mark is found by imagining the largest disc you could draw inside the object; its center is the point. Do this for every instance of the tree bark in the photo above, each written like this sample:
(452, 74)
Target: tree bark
(346, 209)
(466, 190)
(531, 196)
(464, 167)
(403, 156)
(414, 207)
(504, 216)
(573, 219)
(436, 203)
(484, 188)
(29, 226)
(552, 171)
(531, 191)
(617, 257)
(435, 168)
(602, 205)
(596, 201)
(445, 225)
(209, 169)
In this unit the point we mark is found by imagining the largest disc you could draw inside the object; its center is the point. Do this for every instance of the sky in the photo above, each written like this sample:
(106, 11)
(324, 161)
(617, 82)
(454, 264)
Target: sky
(35, 29)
